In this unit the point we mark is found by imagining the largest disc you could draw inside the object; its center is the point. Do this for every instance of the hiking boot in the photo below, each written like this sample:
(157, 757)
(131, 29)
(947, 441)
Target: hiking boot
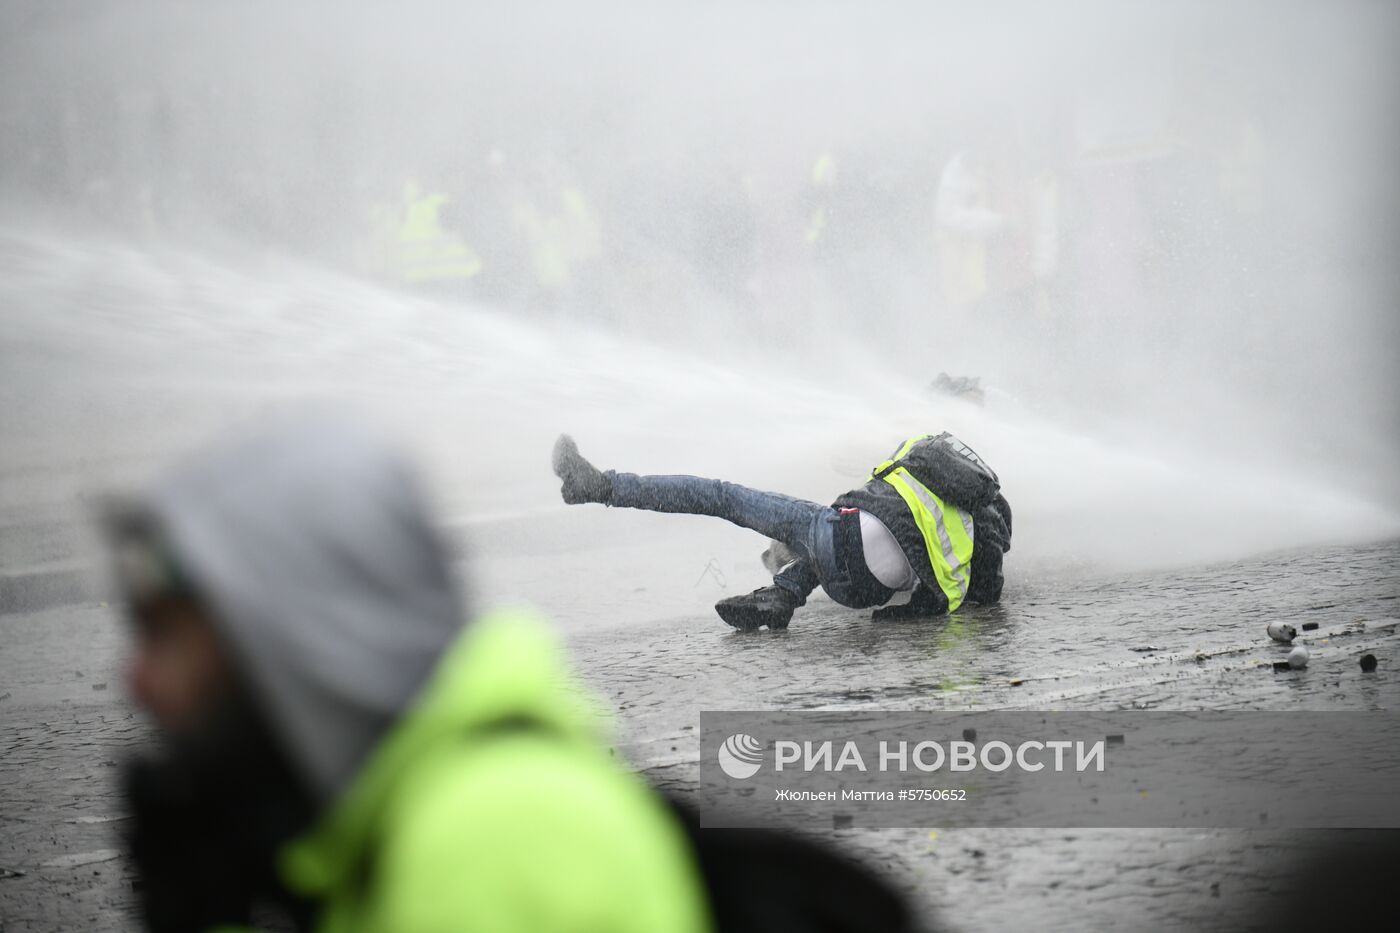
(771, 606)
(583, 482)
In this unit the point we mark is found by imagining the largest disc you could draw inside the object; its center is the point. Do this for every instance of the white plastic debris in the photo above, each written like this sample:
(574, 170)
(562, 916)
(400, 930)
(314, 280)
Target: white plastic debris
(1282, 631)
(1298, 658)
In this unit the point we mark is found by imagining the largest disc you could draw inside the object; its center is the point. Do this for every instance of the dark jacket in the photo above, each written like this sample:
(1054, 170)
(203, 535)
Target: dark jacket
(991, 540)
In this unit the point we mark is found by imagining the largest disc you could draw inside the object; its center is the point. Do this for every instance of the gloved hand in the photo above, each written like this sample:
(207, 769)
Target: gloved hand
(922, 605)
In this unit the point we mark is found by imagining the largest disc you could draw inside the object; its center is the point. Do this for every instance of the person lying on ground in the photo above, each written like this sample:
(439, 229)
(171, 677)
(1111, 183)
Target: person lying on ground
(931, 521)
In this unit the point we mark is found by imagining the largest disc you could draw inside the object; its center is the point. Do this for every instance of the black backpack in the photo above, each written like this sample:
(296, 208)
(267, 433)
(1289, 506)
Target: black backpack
(951, 469)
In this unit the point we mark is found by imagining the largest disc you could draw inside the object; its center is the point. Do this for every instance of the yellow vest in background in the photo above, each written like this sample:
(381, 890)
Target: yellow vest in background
(425, 251)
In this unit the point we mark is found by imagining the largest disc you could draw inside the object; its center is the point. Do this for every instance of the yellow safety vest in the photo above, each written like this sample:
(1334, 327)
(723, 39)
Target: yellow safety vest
(560, 242)
(426, 251)
(947, 529)
(823, 178)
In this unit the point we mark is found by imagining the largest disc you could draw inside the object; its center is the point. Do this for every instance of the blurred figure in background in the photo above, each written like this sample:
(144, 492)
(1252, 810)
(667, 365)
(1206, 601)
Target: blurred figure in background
(335, 746)
(409, 243)
(967, 224)
(997, 229)
(565, 238)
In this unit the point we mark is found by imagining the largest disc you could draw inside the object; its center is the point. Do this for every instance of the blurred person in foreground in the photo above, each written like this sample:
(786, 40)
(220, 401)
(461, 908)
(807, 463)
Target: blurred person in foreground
(336, 750)
(930, 522)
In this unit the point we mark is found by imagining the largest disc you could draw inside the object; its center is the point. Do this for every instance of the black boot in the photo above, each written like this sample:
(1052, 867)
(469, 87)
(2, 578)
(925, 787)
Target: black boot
(771, 606)
(583, 482)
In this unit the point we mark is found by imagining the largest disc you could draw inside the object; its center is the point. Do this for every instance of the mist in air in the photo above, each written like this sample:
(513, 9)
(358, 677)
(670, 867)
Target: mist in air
(734, 240)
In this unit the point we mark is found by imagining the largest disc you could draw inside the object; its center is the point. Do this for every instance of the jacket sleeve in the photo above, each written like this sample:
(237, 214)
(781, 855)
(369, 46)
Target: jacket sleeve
(991, 542)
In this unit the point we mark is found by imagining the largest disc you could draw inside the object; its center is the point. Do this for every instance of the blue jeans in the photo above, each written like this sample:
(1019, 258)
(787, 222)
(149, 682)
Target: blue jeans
(803, 526)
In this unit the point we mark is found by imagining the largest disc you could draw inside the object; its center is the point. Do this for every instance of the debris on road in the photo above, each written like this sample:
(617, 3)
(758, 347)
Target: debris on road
(713, 571)
(1309, 626)
(1282, 631)
(1368, 663)
(1298, 658)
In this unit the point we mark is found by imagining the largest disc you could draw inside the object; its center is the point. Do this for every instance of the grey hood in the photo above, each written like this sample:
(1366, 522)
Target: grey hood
(312, 546)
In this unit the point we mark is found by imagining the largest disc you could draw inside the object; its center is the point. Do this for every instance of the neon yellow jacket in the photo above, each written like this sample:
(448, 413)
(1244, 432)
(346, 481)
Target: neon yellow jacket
(493, 806)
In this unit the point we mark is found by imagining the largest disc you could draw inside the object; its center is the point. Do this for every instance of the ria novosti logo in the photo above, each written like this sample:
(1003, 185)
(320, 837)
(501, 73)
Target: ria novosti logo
(740, 756)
